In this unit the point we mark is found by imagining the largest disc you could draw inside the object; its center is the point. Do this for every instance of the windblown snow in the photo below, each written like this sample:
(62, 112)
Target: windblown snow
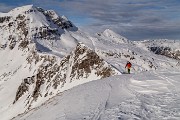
(145, 96)
(51, 70)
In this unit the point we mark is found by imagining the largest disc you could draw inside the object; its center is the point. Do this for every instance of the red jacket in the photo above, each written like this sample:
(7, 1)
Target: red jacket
(128, 65)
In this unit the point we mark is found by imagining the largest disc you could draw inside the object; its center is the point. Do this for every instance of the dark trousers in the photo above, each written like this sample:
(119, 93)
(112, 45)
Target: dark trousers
(129, 70)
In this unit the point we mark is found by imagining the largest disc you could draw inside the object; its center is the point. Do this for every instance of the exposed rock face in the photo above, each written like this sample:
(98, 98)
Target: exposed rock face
(53, 75)
(24, 87)
(166, 51)
(86, 60)
(4, 19)
(178, 64)
(52, 16)
(29, 24)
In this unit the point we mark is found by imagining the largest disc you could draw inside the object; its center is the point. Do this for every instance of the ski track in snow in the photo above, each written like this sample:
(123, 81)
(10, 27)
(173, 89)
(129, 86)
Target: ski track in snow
(143, 96)
(165, 105)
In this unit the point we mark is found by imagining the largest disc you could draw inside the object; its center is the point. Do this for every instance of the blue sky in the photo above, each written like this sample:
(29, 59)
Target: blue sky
(134, 19)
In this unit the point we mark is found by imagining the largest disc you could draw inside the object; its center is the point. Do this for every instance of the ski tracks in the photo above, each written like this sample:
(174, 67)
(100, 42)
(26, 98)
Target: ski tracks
(160, 105)
(153, 105)
(103, 106)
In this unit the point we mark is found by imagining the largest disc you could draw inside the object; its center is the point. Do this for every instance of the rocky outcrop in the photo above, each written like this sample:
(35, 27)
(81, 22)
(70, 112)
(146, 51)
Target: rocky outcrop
(59, 21)
(178, 64)
(166, 51)
(54, 74)
(24, 87)
(86, 60)
(4, 19)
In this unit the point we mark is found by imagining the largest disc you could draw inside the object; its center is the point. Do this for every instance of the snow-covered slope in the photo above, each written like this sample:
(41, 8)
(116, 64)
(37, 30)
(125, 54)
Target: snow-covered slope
(144, 96)
(169, 48)
(37, 77)
(137, 53)
(44, 54)
(111, 36)
(54, 76)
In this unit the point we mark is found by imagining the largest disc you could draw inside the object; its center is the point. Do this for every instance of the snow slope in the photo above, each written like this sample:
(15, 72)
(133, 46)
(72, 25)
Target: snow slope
(150, 95)
(137, 53)
(40, 58)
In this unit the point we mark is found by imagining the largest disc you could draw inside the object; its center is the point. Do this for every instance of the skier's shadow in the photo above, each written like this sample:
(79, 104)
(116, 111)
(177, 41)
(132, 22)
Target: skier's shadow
(121, 71)
(125, 73)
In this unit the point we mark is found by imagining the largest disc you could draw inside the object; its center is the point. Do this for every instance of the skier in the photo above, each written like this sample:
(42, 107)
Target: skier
(128, 66)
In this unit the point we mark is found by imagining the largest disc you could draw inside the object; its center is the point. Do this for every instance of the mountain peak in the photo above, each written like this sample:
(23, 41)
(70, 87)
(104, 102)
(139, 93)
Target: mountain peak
(111, 33)
(34, 25)
(113, 36)
(22, 9)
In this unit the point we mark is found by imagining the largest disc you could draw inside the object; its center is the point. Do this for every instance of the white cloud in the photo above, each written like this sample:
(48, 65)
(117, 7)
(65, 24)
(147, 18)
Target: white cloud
(136, 19)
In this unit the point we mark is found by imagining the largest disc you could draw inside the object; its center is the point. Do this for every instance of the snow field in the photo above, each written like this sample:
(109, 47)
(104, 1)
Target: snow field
(140, 96)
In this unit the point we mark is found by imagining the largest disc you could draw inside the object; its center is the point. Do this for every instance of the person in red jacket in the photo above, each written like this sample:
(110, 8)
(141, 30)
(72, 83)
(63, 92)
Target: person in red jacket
(128, 66)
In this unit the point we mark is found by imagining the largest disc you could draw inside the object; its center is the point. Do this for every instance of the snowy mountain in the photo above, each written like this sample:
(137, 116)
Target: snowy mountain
(40, 58)
(54, 76)
(169, 48)
(110, 35)
(29, 24)
(47, 62)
